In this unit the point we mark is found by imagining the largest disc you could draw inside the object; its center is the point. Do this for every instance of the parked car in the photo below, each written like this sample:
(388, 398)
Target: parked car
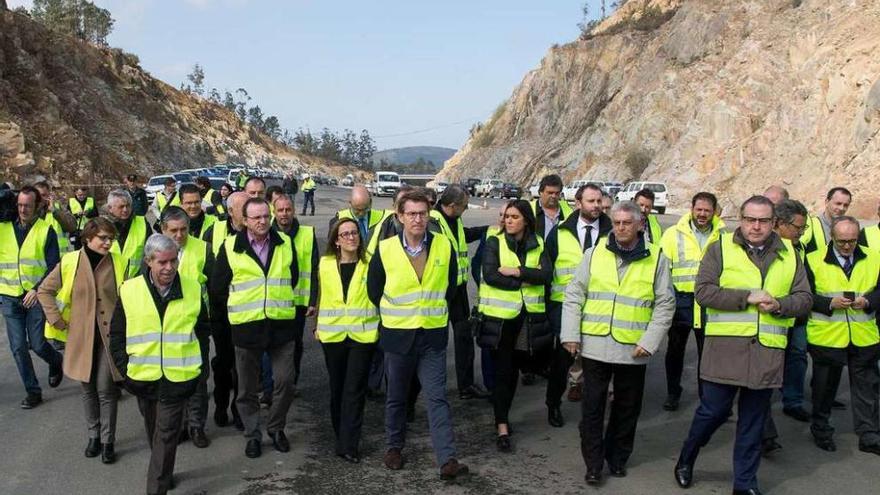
(613, 187)
(533, 190)
(486, 186)
(438, 185)
(506, 191)
(348, 181)
(661, 198)
(471, 185)
(387, 183)
(156, 184)
(571, 189)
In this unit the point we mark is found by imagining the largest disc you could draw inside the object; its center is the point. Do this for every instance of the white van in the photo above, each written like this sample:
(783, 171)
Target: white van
(387, 183)
(661, 198)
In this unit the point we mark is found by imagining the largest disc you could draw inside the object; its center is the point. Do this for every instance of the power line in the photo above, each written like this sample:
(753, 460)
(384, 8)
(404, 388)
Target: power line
(429, 129)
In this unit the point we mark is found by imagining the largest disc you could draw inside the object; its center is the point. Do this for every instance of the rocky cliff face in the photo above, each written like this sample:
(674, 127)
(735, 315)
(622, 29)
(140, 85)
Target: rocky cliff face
(704, 95)
(83, 115)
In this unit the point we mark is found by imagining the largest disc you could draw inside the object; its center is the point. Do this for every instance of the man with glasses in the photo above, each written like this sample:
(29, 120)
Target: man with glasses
(255, 275)
(818, 231)
(752, 285)
(842, 331)
(360, 210)
(412, 279)
(191, 202)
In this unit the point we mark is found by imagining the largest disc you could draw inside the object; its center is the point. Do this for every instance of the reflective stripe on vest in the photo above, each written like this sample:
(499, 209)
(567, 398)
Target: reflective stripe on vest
(254, 296)
(407, 302)
(339, 317)
(844, 326)
(738, 272)
(507, 304)
(460, 244)
(166, 346)
(304, 245)
(76, 208)
(568, 257)
(619, 308)
(21, 268)
(133, 251)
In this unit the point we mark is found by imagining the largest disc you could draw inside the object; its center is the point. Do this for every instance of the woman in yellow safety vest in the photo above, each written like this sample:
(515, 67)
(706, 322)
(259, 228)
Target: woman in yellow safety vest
(348, 328)
(78, 297)
(512, 304)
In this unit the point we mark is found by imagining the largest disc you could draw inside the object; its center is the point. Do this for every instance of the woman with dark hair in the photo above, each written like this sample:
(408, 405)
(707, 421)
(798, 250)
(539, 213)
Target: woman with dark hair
(348, 328)
(514, 323)
(77, 297)
(225, 190)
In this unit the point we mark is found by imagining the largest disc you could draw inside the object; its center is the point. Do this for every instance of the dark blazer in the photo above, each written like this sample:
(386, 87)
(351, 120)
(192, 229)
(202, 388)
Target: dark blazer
(401, 341)
(261, 334)
(551, 244)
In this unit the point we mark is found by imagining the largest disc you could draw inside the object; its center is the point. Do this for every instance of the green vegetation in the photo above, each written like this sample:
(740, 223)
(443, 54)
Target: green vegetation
(483, 135)
(637, 160)
(79, 18)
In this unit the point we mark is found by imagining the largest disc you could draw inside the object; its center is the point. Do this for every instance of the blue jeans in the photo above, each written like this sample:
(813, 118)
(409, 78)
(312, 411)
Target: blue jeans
(716, 402)
(24, 329)
(430, 365)
(795, 368)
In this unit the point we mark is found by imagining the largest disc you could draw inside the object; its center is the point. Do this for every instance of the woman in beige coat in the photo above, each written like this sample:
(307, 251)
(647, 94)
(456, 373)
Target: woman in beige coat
(80, 310)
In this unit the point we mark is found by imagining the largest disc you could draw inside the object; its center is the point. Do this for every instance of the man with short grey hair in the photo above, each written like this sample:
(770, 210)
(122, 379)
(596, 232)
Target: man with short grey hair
(617, 310)
(132, 230)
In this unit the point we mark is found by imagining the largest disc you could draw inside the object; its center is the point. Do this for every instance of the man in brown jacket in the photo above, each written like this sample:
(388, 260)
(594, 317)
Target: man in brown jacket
(746, 332)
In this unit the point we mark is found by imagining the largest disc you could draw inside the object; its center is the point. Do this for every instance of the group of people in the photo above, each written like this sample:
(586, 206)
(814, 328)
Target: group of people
(583, 296)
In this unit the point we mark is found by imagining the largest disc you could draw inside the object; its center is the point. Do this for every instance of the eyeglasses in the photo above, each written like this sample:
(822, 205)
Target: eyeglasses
(349, 235)
(846, 242)
(761, 221)
(106, 238)
(798, 228)
(260, 217)
(412, 215)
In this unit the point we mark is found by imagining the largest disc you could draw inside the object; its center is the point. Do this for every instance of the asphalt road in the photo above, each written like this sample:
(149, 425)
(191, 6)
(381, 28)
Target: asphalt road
(45, 445)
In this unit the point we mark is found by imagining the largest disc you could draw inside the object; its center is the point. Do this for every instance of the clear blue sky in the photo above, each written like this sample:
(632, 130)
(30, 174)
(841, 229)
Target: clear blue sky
(392, 67)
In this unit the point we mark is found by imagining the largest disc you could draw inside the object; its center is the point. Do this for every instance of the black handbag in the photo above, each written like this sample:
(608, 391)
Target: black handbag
(539, 334)
(488, 332)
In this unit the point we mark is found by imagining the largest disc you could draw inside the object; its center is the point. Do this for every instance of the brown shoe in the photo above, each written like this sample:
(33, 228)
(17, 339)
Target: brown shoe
(453, 469)
(393, 459)
(575, 393)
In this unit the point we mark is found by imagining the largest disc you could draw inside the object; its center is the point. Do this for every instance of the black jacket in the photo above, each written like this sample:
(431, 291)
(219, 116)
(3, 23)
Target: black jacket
(162, 389)
(139, 203)
(471, 234)
(491, 262)
(551, 244)
(261, 334)
(539, 216)
(401, 341)
(316, 257)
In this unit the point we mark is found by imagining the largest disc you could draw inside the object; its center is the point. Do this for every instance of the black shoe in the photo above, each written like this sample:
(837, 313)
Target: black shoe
(871, 449)
(56, 374)
(797, 413)
(354, 459)
(528, 379)
(684, 474)
(503, 443)
(472, 392)
(769, 446)
(32, 401)
(671, 403)
(750, 491)
(279, 441)
(826, 444)
(554, 417)
(253, 449)
(221, 419)
(236, 421)
(108, 454)
(198, 437)
(93, 448)
(840, 406)
(593, 477)
(617, 471)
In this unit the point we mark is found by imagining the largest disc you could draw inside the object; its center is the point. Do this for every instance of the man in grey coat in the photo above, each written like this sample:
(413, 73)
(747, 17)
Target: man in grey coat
(616, 313)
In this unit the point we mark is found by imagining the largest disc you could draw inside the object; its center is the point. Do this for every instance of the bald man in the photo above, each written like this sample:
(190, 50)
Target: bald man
(223, 364)
(360, 210)
(776, 194)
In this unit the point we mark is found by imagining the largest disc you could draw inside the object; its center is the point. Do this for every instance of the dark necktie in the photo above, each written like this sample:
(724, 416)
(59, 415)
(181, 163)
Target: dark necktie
(847, 266)
(588, 237)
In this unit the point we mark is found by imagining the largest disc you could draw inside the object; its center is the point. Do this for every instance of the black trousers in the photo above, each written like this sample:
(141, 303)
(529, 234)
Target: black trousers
(162, 422)
(615, 443)
(225, 377)
(560, 360)
(508, 363)
(682, 323)
(463, 338)
(348, 366)
(864, 381)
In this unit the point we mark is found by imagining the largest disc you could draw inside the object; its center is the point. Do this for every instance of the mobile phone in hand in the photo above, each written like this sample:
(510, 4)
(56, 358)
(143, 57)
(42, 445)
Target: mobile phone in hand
(849, 295)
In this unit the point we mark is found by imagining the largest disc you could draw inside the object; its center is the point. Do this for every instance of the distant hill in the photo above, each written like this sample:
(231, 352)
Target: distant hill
(405, 156)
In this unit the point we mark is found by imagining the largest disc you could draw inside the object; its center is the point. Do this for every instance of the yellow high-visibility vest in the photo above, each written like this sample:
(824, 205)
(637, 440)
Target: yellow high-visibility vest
(621, 309)
(844, 326)
(564, 208)
(166, 346)
(254, 296)
(133, 251)
(815, 231)
(76, 208)
(460, 244)
(655, 230)
(738, 272)
(872, 237)
(162, 201)
(304, 245)
(507, 304)
(21, 268)
(64, 297)
(568, 257)
(64, 245)
(373, 243)
(339, 317)
(410, 303)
